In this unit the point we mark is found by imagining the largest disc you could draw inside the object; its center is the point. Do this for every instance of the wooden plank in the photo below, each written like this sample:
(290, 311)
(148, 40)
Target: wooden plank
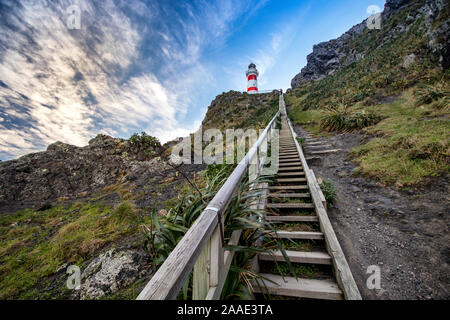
(217, 256)
(169, 279)
(291, 174)
(290, 168)
(288, 188)
(289, 161)
(290, 205)
(290, 195)
(288, 154)
(342, 270)
(288, 164)
(200, 284)
(315, 142)
(297, 257)
(289, 180)
(324, 152)
(314, 147)
(214, 293)
(303, 235)
(292, 218)
(301, 288)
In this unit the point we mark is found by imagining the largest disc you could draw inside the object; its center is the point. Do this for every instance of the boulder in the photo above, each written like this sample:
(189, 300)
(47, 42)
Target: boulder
(110, 272)
(409, 60)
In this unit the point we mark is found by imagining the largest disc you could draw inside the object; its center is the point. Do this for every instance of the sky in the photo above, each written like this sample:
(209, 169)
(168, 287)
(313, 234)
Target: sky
(71, 69)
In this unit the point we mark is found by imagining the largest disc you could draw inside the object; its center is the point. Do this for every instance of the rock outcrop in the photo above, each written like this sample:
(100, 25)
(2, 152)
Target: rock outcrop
(235, 109)
(111, 271)
(328, 57)
(67, 171)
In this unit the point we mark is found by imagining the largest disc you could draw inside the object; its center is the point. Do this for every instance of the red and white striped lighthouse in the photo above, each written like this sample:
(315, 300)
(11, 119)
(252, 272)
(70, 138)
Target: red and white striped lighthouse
(252, 78)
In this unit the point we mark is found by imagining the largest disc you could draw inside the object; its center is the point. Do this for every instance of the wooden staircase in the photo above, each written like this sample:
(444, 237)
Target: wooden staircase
(293, 214)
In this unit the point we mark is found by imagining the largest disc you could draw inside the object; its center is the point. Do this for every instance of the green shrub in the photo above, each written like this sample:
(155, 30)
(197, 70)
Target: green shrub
(329, 192)
(164, 233)
(429, 93)
(302, 142)
(144, 143)
(341, 119)
(125, 212)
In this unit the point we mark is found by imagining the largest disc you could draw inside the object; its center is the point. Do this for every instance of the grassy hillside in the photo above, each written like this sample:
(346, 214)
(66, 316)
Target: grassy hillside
(241, 110)
(403, 108)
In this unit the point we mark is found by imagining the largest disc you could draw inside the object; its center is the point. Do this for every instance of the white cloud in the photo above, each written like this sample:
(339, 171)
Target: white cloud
(76, 84)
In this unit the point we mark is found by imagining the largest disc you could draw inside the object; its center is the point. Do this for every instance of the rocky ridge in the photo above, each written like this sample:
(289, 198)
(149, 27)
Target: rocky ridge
(328, 57)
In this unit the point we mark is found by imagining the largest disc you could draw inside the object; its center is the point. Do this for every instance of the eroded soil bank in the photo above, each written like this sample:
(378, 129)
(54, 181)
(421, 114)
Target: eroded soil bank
(405, 233)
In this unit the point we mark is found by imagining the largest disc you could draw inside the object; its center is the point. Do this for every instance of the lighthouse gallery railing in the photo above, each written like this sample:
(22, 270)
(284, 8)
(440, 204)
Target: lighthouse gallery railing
(202, 244)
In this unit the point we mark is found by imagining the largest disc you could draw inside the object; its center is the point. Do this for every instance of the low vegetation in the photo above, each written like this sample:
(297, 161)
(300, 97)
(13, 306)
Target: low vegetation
(35, 244)
(412, 143)
(343, 120)
(241, 110)
(144, 143)
(403, 111)
(328, 191)
(164, 233)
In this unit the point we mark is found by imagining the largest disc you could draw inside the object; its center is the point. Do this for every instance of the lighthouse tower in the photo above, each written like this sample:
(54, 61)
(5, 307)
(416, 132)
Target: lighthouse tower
(252, 77)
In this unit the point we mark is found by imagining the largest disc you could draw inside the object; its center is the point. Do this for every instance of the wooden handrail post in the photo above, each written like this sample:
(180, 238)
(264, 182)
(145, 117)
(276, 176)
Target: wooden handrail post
(200, 284)
(217, 257)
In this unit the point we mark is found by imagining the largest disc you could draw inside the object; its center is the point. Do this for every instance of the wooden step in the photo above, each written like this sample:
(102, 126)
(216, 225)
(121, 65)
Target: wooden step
(291, 168)
(324, 152)
(319, 146)
(283, 157)
(288, 188)
(300, 288)
(288, 159)
(314, 142)
(292, 218)
(291, 174)
(296, 257)
(290, 205)
(289, 195)
(290, 180)
(301, 235)
(289, 164)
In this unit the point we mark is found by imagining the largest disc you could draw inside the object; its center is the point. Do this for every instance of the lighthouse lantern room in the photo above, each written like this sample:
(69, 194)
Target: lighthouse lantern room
(252, 79)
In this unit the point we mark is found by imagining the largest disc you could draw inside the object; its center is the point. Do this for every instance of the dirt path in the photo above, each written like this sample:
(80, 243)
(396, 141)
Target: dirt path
(405, 234)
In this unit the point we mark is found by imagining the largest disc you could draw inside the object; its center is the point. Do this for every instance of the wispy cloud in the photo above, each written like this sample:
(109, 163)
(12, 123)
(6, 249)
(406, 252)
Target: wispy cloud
(132, 66)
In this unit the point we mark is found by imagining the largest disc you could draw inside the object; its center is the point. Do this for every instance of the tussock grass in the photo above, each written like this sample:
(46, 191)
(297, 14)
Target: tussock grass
(342, 119)
(32, 250)
(410, 144)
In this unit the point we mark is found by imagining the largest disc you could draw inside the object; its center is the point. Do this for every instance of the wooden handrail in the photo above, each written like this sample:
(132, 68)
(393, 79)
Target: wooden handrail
(171, 276)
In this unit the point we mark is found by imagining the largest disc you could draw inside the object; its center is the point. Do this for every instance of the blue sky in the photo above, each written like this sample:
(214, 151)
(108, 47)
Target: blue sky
(151, 66)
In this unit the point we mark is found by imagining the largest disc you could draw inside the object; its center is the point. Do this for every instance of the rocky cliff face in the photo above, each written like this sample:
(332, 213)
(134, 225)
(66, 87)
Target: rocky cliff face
(328, 57)
(65, 171)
